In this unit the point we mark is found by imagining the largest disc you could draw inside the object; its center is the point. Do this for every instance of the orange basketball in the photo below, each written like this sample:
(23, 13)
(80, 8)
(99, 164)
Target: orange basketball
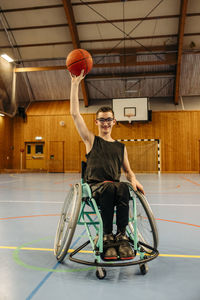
(77, 60)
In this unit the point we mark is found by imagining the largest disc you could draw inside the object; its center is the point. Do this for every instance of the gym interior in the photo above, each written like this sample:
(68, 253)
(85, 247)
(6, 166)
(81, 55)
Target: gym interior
(141, 49)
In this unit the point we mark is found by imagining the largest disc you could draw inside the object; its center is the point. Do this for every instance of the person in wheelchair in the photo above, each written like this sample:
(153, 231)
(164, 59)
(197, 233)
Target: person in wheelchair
(105, 158)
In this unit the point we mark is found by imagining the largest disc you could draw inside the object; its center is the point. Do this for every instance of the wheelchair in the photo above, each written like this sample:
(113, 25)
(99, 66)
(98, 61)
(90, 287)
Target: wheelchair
(80, 208)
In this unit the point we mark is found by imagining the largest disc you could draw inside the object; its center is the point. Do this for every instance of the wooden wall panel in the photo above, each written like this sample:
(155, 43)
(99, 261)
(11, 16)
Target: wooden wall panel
(55, 157)
(52, 128)
(18, 142)
(6, 142)
(35, 126)
(142, 156)
(73, 146)
(45, 108)
(179, 133)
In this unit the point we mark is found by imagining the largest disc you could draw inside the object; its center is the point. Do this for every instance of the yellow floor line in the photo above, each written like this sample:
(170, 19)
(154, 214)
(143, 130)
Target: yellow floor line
(89, 251)
(40, 249)
(180, 255)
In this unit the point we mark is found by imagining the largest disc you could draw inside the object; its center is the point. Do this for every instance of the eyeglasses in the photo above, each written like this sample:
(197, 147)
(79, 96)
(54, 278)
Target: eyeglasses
(108, 120)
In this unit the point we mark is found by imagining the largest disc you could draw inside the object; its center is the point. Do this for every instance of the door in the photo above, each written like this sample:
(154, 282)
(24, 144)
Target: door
(199, 156)
(56, 157)
(35, 156)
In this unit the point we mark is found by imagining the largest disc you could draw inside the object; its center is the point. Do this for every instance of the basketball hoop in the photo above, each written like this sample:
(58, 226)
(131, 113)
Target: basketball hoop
(129, 116)
(130, 112)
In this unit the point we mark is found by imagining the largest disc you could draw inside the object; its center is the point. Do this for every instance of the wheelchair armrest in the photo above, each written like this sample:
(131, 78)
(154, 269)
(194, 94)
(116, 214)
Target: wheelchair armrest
(86, 191)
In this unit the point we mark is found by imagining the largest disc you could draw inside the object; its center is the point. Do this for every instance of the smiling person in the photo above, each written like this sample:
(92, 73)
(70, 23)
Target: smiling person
(105, 158)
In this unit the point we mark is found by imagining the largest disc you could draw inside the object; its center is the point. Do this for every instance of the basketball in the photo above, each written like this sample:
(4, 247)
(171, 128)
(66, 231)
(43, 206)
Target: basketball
(77, 60)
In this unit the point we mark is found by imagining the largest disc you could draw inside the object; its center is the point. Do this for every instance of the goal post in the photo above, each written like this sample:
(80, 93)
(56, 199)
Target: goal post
(144, 154)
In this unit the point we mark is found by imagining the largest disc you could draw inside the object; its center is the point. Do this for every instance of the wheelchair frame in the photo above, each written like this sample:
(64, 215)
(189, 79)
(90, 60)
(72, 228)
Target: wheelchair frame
(74, 212)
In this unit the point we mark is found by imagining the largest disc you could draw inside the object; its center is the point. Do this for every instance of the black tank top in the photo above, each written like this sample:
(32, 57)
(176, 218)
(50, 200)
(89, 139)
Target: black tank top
(104, 161)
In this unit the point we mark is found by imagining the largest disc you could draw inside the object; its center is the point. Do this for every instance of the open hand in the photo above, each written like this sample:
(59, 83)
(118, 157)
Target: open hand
(77, 79)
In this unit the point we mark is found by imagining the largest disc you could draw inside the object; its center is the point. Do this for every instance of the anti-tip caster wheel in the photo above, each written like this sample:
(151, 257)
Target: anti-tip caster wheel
(101, 273)
(144, 269)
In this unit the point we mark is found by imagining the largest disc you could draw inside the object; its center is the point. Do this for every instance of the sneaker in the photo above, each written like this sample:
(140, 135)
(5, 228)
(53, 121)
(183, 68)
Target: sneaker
(110, 252)
(124, 250)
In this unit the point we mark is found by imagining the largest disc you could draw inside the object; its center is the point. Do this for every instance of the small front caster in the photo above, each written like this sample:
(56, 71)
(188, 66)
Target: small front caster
(144, 269)
(101, 273)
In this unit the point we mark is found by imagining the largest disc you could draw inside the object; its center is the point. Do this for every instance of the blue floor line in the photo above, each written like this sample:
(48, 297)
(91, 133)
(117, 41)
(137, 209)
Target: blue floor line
(41, 283)
(50, 273)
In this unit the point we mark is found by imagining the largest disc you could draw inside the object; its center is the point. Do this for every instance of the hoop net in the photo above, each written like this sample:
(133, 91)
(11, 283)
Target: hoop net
(129, 116)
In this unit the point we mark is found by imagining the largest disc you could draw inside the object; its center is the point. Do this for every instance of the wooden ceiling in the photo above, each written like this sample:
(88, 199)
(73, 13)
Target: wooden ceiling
(134, 43)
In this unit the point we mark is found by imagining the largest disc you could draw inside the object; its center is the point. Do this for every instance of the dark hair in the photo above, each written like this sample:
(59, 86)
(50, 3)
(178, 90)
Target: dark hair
(105, 109)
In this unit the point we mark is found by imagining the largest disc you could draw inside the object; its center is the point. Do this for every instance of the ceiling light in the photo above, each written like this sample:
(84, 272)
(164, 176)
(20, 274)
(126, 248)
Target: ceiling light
(6, 57)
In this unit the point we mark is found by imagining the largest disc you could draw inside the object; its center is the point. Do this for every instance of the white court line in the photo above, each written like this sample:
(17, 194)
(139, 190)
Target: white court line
(57, 202)
(174, 204)
(10, 181)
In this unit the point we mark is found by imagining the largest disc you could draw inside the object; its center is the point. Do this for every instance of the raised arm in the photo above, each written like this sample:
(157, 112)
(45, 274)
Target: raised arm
(130, 176)
(86, 135)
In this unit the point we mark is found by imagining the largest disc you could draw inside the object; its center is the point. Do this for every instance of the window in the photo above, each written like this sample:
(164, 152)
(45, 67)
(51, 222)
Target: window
(28, 149)
(39, 149)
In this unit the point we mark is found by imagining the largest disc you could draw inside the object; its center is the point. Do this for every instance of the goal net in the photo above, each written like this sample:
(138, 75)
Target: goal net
(143, 154)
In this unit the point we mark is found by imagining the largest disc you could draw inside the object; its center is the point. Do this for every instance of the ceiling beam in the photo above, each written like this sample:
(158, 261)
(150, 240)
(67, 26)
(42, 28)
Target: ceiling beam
(170, 59)
(38, 69)
(180, 49)
(135, 50)
(106, 75)
(10, 10)
(101, 40)
(94, 22)
(101, 2)
(98, 22)
(38, 60)
(130, 75)
(75, 40)
(71, 22)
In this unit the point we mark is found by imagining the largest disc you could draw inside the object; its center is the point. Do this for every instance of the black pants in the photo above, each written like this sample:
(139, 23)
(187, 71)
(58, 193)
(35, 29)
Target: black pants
(107, 196)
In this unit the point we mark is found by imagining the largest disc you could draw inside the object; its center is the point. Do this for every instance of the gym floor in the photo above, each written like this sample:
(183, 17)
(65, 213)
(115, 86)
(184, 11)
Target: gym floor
(30, 207)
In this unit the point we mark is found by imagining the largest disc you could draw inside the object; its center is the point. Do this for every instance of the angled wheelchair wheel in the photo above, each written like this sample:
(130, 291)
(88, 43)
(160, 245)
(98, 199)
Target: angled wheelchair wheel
(146, 225)
(67, 222)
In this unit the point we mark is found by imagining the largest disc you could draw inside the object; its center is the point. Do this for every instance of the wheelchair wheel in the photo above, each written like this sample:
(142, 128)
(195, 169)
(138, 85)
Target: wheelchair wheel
(144, 269)
(100, 273)
(67, 222)
(146, 225)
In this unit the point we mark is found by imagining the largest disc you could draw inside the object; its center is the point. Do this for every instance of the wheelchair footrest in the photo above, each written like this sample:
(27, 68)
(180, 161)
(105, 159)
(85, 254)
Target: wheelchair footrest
(115, 246)
(117, 259)
(146, 259)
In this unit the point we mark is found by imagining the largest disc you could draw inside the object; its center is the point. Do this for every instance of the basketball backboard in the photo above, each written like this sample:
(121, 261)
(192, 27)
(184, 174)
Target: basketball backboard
(131, 109)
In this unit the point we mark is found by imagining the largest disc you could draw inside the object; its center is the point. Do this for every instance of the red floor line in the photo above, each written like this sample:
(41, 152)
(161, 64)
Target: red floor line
(32, 216)
(53, 215)
(178, 222)
(189, 180)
